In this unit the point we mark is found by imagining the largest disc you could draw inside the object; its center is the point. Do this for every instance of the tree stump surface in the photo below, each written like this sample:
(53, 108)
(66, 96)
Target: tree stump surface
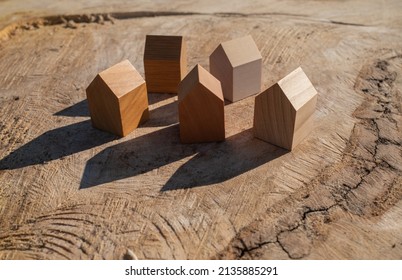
(69, 191)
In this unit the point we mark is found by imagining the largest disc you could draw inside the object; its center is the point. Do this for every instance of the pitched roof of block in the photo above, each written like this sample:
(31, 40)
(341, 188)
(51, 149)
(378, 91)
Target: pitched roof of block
(122, 78)
(297, 88)
(198, 75)
(241, 50)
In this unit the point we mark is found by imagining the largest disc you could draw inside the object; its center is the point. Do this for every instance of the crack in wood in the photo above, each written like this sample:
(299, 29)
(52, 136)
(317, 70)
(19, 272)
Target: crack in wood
(376, 81)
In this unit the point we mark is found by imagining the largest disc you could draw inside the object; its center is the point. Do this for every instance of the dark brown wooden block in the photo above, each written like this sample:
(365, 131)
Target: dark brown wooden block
(165, 62)
(201, 108)
(117, 99)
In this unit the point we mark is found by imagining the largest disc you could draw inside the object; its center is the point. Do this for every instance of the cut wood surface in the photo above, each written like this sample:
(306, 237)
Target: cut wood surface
(70, 191)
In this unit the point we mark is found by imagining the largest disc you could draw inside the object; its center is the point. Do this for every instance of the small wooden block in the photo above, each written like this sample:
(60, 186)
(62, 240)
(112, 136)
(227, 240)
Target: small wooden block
(118, 100)
(238, 65)
(165, 62)
(283, 114)
(201, 108)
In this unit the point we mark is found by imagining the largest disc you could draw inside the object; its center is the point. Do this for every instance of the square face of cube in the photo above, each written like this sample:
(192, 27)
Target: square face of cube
(246, 80)
(163, 76)
(165, 62)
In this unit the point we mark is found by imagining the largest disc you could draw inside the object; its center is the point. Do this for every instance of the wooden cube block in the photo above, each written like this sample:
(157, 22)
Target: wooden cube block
(283, 114)
(165, 62)
(201, 108)
(117, 99)
(238, 65)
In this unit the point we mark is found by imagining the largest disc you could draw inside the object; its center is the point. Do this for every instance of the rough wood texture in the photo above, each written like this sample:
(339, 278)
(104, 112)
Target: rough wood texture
(117, 99)
(165, 62)
(237, 64)
(68, 191)
(201, 108)
(283, 114)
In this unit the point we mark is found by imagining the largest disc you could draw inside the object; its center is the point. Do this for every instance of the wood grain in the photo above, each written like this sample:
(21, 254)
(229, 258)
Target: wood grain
(69, 191)
(283, 113)
(201, 108)
(237, 64)
(117, 99)
(165, 62)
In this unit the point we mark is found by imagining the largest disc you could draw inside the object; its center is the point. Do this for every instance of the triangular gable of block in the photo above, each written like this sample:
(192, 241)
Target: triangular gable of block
(198, 76)
(104, 106)
(98, 88)
(274, 117)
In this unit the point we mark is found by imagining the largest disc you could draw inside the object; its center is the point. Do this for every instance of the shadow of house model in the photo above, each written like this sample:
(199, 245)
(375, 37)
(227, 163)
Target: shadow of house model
(117, 99)
(201, 108)
(238, 65)
(283, 114)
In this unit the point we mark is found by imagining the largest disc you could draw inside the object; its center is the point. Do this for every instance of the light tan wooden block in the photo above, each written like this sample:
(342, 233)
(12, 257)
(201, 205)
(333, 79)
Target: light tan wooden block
(117, 99)
(201, 108)
(283, 114)
(237, 64)
(165, 62)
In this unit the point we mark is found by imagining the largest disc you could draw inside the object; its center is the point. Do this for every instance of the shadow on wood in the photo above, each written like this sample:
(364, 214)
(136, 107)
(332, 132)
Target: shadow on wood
(154, 98)
(136, 156)
(213, 163)
(117, 99)
(55, 144)
(164, 115)
(218, 162)
(79, 109)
